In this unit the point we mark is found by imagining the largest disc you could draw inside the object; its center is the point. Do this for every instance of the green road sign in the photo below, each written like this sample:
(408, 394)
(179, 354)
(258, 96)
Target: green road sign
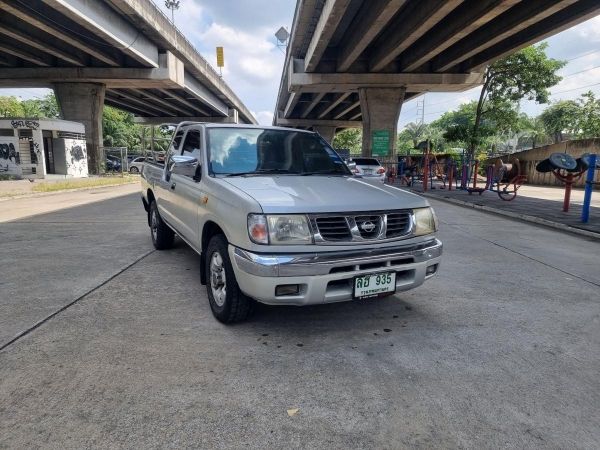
(381, 142)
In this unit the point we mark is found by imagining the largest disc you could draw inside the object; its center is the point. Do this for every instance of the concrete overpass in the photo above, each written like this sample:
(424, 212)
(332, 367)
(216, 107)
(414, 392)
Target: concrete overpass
(124, 53)
(354, 62)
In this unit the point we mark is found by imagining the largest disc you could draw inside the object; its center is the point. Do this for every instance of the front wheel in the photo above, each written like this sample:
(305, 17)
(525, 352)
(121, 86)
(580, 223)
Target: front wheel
(227, 302)
(134, 170)
(162, 235)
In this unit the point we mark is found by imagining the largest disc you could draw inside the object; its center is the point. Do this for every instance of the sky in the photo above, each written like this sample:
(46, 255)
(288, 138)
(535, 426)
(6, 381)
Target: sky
(253, 61)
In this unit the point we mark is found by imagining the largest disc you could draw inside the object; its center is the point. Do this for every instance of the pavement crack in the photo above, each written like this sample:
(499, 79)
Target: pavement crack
(41, 322)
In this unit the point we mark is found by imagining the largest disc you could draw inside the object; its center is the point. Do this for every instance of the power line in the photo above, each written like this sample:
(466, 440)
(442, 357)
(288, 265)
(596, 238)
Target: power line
(575, 89)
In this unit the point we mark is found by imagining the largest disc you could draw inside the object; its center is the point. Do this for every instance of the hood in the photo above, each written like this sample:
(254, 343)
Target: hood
(322, 194)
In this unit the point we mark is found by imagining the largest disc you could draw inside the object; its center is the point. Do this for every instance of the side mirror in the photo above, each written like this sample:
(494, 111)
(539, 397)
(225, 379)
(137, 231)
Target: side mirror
(184, 165)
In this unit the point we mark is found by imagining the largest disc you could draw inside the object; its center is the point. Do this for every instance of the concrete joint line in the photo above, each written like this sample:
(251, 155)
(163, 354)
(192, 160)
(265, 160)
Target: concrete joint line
(513, 215)
(38, 324)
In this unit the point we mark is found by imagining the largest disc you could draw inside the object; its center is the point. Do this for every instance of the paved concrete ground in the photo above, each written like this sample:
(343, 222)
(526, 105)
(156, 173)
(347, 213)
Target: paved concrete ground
(535, 201)
(500, 350)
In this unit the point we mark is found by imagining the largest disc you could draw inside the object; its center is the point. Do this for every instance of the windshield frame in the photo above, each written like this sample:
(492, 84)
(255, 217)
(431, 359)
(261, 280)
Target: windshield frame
(346, 170)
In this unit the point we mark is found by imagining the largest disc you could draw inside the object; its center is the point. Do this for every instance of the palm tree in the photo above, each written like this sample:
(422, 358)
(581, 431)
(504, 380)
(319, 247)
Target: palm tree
(416, 132)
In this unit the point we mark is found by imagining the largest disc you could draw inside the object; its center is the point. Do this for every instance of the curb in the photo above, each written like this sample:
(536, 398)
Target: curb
(513, 215)
(62, 191)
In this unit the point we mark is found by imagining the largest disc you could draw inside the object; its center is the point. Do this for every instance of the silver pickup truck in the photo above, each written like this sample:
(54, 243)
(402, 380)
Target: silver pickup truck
(277, 217)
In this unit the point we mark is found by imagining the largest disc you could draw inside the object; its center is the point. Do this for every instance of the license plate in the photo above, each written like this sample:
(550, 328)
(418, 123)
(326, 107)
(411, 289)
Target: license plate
(374, 285)
(368, 171)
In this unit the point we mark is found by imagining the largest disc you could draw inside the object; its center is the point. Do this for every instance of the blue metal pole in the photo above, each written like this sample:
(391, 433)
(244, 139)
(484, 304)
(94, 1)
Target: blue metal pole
(587, 198)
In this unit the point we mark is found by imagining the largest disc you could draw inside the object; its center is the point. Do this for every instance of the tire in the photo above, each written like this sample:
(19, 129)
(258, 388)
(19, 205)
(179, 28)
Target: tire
(162, 235)
(134, 170)
(227, 302)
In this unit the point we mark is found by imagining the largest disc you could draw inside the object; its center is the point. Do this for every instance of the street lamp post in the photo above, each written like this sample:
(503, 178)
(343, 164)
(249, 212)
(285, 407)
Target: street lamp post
(172, 5)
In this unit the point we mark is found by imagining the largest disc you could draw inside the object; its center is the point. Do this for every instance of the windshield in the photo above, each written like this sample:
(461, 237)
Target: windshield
(248, 151)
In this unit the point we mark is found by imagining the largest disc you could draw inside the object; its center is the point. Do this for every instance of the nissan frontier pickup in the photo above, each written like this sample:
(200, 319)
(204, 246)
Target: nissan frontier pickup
(277, 217)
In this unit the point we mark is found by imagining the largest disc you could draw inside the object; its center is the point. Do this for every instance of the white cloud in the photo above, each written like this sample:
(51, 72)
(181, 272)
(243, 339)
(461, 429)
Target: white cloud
(264, 117)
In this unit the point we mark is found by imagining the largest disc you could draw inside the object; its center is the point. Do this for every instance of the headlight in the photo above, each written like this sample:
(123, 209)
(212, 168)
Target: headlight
(425, 221)
(286, 229)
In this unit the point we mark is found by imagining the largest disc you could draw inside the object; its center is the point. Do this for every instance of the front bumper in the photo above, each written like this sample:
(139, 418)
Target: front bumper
(328, 277)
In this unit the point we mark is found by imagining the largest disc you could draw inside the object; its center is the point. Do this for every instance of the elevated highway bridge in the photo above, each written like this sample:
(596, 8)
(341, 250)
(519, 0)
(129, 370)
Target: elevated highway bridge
(353, 63)
(124, 53)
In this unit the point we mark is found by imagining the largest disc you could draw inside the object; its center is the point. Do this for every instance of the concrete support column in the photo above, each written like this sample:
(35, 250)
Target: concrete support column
(380, 113)
(326, 132)
(83, 102)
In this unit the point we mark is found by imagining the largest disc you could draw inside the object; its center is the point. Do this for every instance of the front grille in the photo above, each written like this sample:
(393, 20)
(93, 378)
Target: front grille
(334, 228)
(369, 227)
(398, 224)
(357, 227)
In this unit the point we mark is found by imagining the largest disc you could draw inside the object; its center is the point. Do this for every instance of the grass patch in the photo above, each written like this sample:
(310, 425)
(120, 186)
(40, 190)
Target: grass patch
(79, 183)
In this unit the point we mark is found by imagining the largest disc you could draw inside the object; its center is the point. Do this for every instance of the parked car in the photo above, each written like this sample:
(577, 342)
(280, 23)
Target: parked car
(277, 217)
(113, 164)
(369, 168)
(135, 166)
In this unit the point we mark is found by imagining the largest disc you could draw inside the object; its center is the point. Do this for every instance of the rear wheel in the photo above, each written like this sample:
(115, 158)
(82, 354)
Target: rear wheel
(134, 170)
(227, 302)
(162, 235)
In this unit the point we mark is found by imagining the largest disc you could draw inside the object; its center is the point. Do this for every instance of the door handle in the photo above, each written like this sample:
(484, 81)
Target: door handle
(173, 186)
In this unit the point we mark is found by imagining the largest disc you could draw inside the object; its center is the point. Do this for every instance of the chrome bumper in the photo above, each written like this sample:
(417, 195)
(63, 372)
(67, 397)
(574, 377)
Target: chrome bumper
(322, 263)
(327, 277)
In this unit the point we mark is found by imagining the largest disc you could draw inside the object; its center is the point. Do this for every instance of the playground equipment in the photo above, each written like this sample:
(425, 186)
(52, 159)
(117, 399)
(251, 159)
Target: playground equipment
(593, 165)
(566, 169)
(502, 178)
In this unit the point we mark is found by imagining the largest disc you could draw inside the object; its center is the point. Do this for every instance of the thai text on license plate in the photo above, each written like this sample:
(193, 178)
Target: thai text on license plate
(374, 285)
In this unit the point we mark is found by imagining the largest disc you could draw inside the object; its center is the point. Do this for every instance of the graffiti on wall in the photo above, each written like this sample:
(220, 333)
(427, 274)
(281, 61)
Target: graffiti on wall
(76, 156)
(10, 162)
(25, 123)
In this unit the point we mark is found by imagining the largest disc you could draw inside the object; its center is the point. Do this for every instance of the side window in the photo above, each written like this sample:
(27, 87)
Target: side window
(177, 140)
(191, 145)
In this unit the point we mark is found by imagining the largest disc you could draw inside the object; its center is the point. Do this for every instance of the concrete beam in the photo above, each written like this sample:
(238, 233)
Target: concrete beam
(313, 103)
(151, 108)
(414, 82)
(465, 19)
(113, 78)
(183, 101)
(411, 24)
(370, 20)
(83, 102)
(19, 52)
(348, 109)
(39, 44)
(330, 18)
(511, 22)
(57, 32)
(567, 18)
(317, 122)
(175, 120)
(199, 91)
(334, 104)
(291, 104)
(110, 26)
(124, 105)
(156, 100)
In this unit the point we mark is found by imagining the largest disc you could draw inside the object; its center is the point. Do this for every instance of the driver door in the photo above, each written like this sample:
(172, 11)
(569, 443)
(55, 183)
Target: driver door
(185, 189)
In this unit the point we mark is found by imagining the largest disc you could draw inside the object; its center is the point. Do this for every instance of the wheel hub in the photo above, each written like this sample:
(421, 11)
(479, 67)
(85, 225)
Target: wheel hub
(218, 281)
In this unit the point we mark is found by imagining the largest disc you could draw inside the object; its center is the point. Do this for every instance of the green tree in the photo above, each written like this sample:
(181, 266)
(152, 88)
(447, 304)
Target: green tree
(416, 132)
(118, 129)
(588, 122)
(535, 131)
(560, 117)
(11, 107)
(350, 138)
(528, 73)
(44, 108)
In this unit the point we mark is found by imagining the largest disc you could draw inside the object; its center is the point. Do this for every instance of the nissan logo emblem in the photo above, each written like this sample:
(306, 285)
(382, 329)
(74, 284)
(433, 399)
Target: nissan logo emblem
(367, 226)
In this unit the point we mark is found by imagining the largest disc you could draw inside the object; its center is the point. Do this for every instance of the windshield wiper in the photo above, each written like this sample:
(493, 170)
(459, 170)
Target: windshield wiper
(262, 172)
